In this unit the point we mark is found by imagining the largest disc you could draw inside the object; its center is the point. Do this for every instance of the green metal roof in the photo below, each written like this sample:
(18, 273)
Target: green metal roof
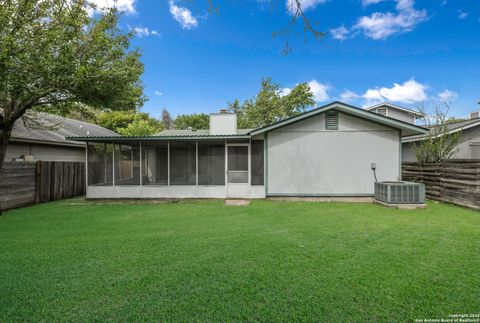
(157, 138)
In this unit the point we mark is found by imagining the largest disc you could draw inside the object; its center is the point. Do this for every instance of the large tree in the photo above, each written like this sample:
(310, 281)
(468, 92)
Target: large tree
(195, 121)
(272, 104)
(129, 123)
(55, 56)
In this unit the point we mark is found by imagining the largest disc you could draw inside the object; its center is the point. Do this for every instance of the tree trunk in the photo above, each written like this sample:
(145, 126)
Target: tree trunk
(5, 135)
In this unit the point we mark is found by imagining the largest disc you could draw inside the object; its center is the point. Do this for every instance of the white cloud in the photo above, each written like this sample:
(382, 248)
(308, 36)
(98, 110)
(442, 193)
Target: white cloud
(319, 90)
(462, 14)
(447, 95)
(183, 16)
(340, 33)
(305, 5)
(369, 2)
(144, 31)
(382, 25)
(158, 93)
(349, 96)
(409, 92)
(126, 6)
(285, 91)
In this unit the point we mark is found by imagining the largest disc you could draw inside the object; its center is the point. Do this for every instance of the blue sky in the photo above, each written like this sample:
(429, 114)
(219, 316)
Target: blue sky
(402, 51)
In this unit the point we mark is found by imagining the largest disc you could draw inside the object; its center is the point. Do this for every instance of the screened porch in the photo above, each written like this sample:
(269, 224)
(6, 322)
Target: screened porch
(175, 168)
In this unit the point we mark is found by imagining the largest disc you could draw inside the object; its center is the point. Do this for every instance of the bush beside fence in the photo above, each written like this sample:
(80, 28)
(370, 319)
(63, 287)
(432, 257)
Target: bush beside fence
(454, 181)
(26, 183)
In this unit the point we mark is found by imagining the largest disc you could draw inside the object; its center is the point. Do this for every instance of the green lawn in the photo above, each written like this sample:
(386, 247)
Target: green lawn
(270, 261)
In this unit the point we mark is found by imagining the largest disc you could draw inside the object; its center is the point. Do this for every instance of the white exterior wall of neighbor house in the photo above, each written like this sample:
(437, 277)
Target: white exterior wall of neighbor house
(45, 152)
(464, 149)
(400, 115)
(304, 159)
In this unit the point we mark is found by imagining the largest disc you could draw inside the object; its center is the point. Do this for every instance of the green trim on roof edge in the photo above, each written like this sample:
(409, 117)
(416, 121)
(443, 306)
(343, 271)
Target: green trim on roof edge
(156, 138)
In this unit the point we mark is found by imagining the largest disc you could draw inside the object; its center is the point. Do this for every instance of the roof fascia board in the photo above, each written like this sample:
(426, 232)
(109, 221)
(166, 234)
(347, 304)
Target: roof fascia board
(158, 138)
(78, 144)
(423, 137)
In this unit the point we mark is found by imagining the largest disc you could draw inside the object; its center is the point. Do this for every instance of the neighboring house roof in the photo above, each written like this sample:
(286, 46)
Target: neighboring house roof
(405, 127)
(452, 128)
(60, 128)
(393, 106)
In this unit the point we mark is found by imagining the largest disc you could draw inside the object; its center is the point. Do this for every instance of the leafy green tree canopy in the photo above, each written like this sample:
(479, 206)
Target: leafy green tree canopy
(55, 56)
(130, 123)
(271, 105)
(196, 121)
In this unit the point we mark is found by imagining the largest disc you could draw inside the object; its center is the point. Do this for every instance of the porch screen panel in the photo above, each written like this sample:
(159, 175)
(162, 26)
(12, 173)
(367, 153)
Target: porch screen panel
(211, 164)
(183, 163)
(127, 165)
(156, 165)
(257, 162)
(237, 164)
(99, 159)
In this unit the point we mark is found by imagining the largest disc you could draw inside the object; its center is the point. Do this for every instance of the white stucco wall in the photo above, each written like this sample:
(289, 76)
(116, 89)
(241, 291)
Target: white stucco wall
(304, 159)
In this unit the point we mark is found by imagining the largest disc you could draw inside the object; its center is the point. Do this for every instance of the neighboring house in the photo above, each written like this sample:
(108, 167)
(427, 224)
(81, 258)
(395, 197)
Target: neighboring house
(396, 112)
(48, 143)
(328, 151)
(468, 146)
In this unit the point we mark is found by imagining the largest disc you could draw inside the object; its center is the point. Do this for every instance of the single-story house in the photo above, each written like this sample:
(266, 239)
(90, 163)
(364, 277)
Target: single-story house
(48, 142)
(333, 150)
(468, 146)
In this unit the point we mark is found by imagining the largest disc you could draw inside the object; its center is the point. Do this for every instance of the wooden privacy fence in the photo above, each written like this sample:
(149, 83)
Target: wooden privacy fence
(25, 183)
(455, 180)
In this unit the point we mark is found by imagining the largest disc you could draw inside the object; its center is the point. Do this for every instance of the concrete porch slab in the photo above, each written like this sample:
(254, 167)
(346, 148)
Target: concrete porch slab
(402, 206)
(231, 202)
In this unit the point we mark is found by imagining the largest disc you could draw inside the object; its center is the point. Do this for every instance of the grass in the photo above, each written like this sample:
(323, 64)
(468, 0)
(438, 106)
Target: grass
(270, 261)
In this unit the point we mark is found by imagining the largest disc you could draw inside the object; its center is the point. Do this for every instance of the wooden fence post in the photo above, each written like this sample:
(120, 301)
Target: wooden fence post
(38, 182)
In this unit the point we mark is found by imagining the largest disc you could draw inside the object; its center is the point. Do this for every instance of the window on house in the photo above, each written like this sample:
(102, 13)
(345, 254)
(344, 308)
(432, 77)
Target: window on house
(331, 120)
(257, 162)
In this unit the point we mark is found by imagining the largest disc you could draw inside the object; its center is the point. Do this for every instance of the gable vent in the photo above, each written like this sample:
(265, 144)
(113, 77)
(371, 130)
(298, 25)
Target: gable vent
(331, 121)
(382, 111)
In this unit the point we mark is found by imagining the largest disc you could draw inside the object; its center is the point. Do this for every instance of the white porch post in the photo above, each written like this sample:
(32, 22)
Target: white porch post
(168, 163)
(141, 161)
(113, 164)
(86, 165)
(249, 162)
(105, 163)
(196, 163)
(226, 164)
